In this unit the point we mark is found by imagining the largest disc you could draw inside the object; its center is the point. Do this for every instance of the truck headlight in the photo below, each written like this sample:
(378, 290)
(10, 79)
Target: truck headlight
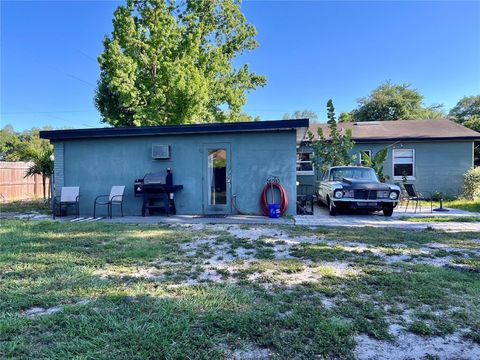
(338, 194)
(393, 195)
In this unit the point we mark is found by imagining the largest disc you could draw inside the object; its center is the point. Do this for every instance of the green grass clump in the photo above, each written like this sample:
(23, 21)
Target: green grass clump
(463, 204)
(25, 206)
(421, 328)
(441, 218)
(474, 335)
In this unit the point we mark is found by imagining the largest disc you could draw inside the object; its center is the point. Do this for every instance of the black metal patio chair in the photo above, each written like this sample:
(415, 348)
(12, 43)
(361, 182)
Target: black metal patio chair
(69, 196)
(114, 198)
(305, 199)
(416, 197)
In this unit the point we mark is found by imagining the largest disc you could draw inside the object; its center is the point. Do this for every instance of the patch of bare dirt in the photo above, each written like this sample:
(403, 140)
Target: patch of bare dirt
(39, 311)
(255, 353)
(219, 260)
(407, 345)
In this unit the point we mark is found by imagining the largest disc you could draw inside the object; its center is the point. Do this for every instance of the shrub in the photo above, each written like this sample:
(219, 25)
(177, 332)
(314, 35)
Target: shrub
(471, 179)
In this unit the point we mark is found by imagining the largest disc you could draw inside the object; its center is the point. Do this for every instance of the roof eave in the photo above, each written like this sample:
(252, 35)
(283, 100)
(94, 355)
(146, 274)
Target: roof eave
(405, 139)
(300, 125)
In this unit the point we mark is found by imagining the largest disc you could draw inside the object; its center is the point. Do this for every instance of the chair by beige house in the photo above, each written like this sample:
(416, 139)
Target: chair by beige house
(114, 198)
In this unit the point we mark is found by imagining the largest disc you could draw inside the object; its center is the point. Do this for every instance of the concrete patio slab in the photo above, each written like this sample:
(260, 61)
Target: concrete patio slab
(191, 219)
(320, 218)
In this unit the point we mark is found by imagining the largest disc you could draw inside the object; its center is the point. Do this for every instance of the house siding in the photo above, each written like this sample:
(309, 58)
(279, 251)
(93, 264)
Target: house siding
(439, 165)
(97, 164)
(58, 167)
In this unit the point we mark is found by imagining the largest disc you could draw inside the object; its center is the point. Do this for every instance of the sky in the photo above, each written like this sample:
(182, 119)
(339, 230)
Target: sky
(310, 51)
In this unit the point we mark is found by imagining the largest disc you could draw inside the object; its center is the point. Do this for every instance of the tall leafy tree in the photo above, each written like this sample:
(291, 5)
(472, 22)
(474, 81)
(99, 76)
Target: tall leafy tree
(473, 123)
(9, 143)
(170, 62)
(335, 148)
(393, 102)
(467, 113)
(345, 117)
(468, 108)
(246, 117)
(13, 144)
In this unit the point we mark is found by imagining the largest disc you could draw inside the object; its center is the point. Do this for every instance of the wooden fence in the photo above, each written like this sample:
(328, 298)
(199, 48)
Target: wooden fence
(15, 186)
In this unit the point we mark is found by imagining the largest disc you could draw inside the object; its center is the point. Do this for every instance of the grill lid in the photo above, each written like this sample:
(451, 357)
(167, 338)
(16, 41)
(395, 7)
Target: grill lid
(158, 178)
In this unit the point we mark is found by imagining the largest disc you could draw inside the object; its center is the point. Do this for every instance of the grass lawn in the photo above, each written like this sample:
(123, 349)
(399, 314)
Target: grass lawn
(468, 205)
(461, 204)
(24, 206)
(103, 291)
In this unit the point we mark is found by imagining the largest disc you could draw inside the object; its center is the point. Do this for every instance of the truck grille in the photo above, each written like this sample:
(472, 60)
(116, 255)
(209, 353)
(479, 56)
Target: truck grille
(365, 194)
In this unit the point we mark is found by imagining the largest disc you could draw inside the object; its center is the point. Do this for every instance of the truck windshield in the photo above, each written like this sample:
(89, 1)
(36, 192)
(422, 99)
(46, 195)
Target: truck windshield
(353, 173)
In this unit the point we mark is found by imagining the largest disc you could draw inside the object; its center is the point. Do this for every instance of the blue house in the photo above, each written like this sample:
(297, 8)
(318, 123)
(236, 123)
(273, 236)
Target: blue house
(215, 163)
(432, 154)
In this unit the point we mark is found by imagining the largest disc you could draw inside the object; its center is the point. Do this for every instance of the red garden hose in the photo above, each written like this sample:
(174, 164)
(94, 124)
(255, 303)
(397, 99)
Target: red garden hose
(283, 198)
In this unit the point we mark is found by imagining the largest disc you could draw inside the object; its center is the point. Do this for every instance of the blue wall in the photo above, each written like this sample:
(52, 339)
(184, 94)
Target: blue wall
(97, 164)
(439, 165)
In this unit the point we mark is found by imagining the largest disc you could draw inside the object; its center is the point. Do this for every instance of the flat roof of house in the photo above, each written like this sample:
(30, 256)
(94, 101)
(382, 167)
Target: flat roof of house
(402, 130)
(299, 125)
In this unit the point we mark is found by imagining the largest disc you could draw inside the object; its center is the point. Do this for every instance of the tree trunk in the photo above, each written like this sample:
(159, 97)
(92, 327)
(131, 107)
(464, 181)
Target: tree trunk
(43, 186)
(49, 188)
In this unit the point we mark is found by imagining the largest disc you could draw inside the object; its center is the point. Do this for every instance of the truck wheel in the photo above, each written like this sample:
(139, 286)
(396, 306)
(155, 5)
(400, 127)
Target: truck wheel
(332, 210)
(388, 210)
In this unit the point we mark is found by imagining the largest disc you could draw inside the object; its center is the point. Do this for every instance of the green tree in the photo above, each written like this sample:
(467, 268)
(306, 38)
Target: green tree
(334, 149)
(302, 114)
(434, 111)
(9, 143)
(473, 123)
(41, 157)
(170, 63)
(376, 162)
(27, 146)
(466, 109)
(245, 117)
(467, 113)
(394, 102)
(13, 144)
(345, 117)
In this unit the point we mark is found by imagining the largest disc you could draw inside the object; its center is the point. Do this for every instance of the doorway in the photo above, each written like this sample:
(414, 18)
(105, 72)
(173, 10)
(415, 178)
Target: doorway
(217, 179)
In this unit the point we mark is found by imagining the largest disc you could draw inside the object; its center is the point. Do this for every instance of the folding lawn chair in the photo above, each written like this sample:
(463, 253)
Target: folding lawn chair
(416, 197)
(115, 198)
(69, 196)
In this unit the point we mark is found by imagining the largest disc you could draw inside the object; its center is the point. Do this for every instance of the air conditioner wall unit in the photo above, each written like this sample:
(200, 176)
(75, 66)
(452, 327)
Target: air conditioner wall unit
(161, 152)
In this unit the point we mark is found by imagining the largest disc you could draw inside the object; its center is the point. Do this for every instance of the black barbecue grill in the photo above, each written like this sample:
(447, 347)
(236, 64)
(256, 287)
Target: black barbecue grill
(157, 190)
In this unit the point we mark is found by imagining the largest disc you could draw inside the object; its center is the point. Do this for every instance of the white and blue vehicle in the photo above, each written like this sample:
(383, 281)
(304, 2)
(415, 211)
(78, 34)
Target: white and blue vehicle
(356, 187)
